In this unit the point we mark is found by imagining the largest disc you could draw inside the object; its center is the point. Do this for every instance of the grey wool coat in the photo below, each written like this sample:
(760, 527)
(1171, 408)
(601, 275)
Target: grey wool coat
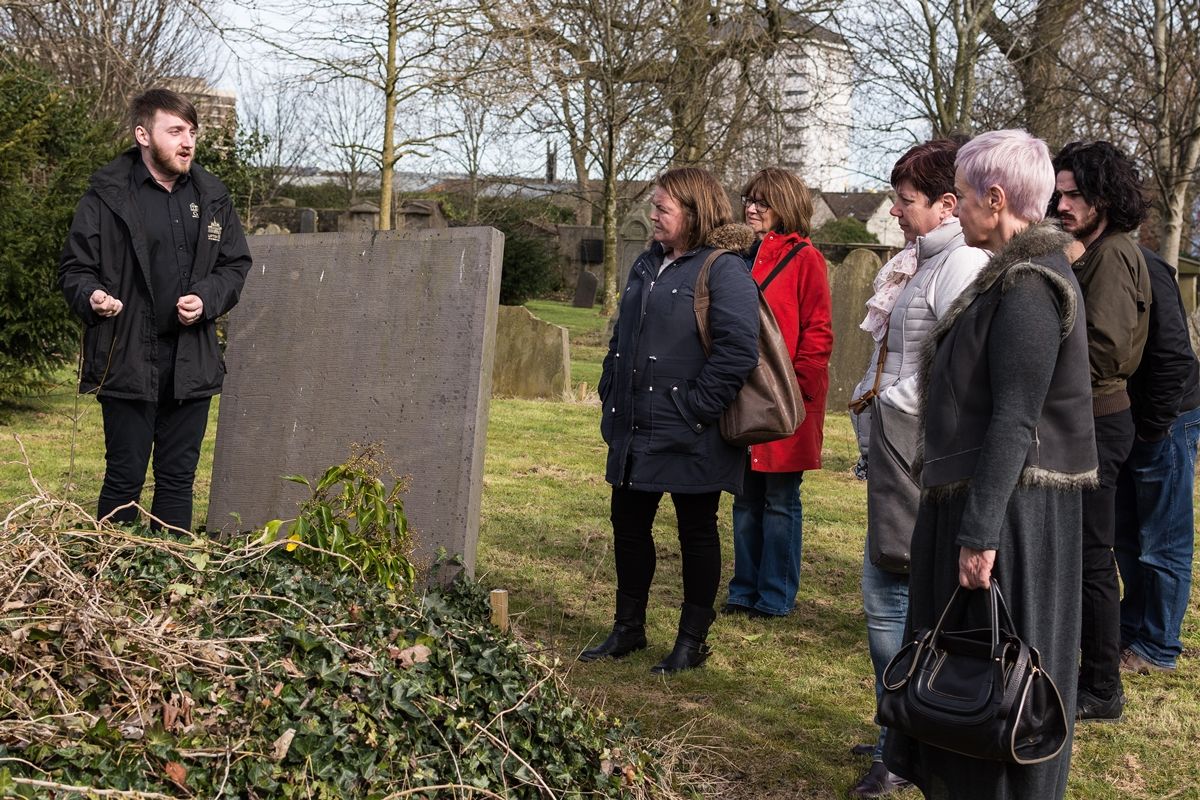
(1024, 504)
(662, 396)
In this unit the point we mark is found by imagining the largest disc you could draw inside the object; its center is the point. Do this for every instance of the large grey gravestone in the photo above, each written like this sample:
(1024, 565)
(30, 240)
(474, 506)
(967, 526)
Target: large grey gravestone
(850, 286)
(533, 357)
(362, 337)
(585, 290)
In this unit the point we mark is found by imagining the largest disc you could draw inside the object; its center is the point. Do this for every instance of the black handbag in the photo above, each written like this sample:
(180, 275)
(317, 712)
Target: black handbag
(978, 692)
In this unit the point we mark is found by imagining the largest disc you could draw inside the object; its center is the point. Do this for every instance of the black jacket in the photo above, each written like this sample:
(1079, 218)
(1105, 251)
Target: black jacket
(661, 395)
(1167, 382)
(106, 249)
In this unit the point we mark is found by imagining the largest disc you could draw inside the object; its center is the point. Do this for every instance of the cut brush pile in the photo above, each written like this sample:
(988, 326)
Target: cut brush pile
(138, 666)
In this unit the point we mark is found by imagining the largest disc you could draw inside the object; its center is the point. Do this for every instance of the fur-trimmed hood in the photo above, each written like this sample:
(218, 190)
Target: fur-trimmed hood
(735, 236)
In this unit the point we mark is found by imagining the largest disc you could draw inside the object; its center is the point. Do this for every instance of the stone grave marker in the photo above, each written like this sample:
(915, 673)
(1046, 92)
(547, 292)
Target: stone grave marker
(347, 338)
(533, 357)
(585, 290)
(850, 285)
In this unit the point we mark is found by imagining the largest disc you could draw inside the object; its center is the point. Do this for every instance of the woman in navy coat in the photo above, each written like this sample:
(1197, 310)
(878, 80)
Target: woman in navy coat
(662, 398)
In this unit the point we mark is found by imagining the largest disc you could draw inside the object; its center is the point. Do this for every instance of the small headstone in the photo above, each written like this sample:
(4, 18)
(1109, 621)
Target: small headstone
(533, 358)
(850, 285)
(585, 290)
(308, 221)
(380, 337)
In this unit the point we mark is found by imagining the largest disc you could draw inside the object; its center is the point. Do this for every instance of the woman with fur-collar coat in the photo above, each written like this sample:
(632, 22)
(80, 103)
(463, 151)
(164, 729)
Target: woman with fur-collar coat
(662, 398)
(1008, 446)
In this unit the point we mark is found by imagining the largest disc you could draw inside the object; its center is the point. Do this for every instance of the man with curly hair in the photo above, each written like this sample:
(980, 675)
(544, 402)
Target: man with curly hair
(1099, 199)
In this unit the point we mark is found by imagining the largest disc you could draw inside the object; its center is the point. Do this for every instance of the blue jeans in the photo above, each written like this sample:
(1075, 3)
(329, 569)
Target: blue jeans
(885, 601)
(1155, 539)
(767, 537)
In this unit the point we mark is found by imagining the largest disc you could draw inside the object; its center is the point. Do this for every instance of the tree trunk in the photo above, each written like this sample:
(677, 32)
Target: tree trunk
(388, 161)
(610, 227)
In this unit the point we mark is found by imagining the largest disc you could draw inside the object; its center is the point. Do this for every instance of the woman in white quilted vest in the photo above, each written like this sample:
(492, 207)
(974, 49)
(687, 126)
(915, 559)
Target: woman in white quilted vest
(912, 291)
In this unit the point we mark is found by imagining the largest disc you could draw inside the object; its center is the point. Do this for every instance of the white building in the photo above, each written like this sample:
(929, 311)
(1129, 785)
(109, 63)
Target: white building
(814, 96)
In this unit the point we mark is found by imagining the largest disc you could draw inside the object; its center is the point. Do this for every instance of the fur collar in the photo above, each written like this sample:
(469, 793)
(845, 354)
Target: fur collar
(733, 236)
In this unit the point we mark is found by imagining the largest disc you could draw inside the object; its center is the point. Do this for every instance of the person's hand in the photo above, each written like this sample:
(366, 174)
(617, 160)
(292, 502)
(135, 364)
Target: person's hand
(105, 304)
(190, 309)
(975, 567)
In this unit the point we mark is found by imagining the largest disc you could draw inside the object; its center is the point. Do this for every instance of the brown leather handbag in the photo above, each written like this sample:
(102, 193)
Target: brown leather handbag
(769, 405)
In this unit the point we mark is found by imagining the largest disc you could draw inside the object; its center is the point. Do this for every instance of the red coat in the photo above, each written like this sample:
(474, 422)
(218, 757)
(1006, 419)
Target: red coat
(799, 298)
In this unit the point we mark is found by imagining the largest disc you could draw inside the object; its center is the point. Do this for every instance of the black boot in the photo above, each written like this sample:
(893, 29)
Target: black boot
(628, 633)
(690, 650)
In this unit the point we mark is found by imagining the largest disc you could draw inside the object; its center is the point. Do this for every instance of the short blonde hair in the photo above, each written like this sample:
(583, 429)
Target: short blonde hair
(786, 195)
(705, 204)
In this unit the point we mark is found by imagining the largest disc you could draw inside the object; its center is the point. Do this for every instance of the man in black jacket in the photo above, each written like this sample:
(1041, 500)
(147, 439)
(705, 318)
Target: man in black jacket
(155, 254)
(1154, 520)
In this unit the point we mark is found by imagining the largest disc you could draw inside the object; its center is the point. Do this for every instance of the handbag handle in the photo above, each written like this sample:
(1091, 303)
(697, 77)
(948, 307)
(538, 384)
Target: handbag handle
(998, 614)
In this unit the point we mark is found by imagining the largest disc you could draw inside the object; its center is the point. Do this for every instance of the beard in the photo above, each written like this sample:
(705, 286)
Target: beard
(1086, 228)
(165, 160)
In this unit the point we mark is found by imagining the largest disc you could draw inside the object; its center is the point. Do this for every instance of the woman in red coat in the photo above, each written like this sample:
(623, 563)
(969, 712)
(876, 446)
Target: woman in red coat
(768, 516)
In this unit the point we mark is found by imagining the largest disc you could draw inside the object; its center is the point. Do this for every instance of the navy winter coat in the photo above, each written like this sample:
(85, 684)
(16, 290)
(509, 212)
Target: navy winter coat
(106, 249)
(662, 398)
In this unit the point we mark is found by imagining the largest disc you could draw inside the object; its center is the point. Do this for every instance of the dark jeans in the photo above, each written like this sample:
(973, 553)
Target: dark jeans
(1100, 662)
(1155, 539)
(633, 515)
(173, 430)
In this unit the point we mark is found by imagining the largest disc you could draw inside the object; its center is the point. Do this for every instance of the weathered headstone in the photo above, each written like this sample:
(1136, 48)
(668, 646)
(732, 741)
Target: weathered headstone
(308, 221)
(383, 337)
(585, 290)
(850, 285)
(533, 357)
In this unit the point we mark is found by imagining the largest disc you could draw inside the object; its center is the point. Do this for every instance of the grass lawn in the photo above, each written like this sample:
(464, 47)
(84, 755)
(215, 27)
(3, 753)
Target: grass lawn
(779, 703)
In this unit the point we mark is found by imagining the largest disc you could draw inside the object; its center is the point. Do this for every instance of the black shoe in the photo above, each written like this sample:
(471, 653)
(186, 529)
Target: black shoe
(690, 649)
(1089, 707)
(628, 632)
(878, 782)
(864, 749)
(733, 609)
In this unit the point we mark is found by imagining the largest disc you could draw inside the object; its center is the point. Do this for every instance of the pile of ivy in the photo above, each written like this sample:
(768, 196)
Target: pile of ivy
(132, 664)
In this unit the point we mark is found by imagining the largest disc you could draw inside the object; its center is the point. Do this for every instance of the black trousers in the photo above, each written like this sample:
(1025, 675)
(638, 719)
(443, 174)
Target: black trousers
(1100, 643)
(633, 515)
(172, 430)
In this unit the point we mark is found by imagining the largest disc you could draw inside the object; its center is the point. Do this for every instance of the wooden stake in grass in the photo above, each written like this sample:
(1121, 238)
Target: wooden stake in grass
(499, 600)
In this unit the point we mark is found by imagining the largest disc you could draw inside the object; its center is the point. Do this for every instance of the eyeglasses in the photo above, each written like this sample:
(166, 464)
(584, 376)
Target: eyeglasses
(755, 201)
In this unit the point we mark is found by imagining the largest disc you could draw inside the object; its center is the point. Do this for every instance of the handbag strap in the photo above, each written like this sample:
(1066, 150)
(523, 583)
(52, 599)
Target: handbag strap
(782, 263)
(700, 300)
(862, 403)
(1014, 686)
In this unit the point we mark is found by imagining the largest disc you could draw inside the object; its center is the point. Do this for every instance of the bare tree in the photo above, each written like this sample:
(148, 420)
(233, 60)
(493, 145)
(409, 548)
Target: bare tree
(1032, 35)
(1138, 84)
(629, 84)
(386, 45)
(280, 116)
(588, 63)
(110, 48)
(350, 119)
(923, 61)
(477, 109)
